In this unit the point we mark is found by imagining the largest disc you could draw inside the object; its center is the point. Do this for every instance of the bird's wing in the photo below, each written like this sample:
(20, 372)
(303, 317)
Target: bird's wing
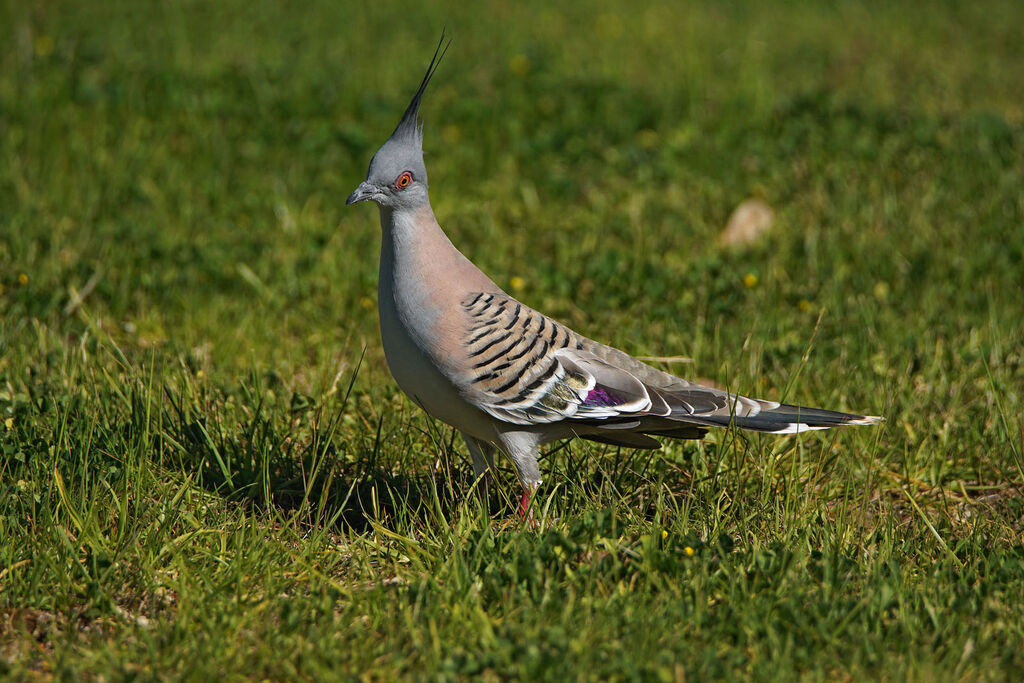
(524, 368)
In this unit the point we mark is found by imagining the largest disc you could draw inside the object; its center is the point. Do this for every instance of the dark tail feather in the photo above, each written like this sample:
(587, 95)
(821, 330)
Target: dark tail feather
(790, 419)
(690, 432)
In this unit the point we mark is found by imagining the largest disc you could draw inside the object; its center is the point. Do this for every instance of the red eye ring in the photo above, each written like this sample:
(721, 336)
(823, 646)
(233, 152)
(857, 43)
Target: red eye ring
(403, 181)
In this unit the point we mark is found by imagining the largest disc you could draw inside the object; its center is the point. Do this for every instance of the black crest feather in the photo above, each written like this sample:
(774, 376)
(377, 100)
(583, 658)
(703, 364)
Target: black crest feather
(408, 128)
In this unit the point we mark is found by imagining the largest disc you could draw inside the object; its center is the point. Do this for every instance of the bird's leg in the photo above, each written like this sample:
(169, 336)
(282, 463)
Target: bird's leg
(526, 517)
(525, 512)
(522, 447)
(482, 454)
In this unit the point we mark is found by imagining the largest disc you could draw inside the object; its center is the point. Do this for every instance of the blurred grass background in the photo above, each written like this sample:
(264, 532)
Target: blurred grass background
(209, 470)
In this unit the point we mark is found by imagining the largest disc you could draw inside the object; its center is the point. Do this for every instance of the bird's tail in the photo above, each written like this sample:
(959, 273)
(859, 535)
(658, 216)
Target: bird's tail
(790, 419)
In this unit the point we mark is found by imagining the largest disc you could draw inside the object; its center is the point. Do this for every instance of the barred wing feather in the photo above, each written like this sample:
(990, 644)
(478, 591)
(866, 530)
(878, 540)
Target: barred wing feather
(528, 369)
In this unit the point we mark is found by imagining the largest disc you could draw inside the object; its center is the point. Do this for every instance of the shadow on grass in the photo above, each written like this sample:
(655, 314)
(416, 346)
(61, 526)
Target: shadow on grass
(302, 463)
(326, 463)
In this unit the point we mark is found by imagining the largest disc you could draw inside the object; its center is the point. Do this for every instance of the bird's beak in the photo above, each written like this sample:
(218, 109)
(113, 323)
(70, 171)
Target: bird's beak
(364, 192)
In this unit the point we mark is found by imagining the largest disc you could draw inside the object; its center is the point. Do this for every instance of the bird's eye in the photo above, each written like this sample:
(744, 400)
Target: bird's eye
(403, 181)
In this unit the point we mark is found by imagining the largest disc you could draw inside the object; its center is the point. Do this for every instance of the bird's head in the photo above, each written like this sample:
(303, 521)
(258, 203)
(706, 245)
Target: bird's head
(397, 176)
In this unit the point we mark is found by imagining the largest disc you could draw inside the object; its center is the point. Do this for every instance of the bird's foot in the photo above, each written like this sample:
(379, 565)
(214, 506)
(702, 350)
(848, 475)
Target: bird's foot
(526, 518)
(524, 506)
(523, 519)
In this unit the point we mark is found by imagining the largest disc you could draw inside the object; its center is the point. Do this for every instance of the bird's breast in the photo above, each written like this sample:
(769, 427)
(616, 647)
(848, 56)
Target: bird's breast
(413, 335)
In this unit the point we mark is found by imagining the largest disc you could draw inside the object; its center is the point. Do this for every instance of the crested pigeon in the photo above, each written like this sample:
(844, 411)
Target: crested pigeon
(506, 376)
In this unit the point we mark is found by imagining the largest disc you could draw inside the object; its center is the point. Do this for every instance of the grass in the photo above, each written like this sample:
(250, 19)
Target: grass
(207, 470)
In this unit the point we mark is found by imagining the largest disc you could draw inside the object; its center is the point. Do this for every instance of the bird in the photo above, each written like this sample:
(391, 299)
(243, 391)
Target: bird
(506, 376)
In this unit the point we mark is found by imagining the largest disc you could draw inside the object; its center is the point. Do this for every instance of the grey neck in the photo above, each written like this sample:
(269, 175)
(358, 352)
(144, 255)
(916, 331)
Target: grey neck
(417, 254)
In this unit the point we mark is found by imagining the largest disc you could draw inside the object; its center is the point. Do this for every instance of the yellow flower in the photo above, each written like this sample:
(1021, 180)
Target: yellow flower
(366, 302)
(519, 65)
(689, 551)
(608, 25)
(9, 423)
(804, 305)
(516, 283)
(647, 138)
(664, 534)
(451, 134)
(22, 279)
(881, 291)
(750, 281)
(200, 374)
(43, 46)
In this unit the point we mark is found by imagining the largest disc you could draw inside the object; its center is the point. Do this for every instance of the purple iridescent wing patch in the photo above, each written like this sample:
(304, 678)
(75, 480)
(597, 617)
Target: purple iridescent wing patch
(598, 396)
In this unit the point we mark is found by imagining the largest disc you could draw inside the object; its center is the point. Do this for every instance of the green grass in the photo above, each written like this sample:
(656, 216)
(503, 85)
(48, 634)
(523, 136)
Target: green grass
(207, 469)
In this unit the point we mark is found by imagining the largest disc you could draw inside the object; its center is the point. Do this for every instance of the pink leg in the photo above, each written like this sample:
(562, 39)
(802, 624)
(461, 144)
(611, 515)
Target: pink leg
(524, 505)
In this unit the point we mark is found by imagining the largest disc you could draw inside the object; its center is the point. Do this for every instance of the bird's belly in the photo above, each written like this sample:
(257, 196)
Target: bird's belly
(418, 376)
